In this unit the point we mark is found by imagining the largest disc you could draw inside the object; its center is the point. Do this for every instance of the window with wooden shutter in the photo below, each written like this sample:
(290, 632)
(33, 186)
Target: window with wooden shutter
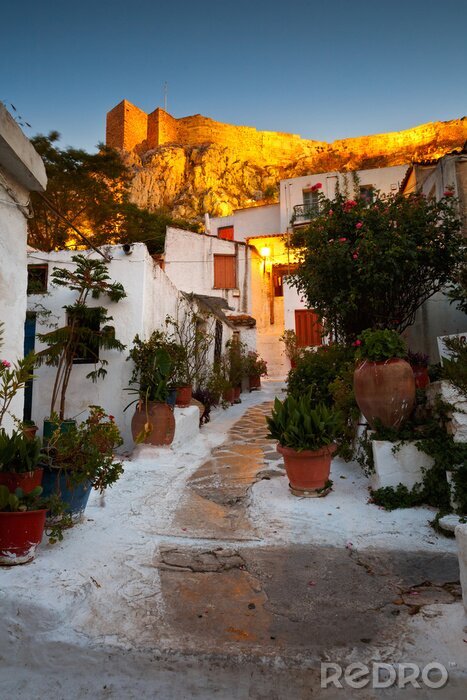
(225, 274)
(226, 232)
(307, 328)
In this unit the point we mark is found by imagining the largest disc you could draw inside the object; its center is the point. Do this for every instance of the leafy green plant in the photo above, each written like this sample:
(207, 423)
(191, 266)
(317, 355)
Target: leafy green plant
(86, 331)
(85, 452)
(153, 367)
(372, 264)
(292, 351)
(380, 345)
(18, 453)
(13, 378)
(235, 360)
(316, 370)
(455, 367)
(18, 501)
(302, 425)
(254, 365)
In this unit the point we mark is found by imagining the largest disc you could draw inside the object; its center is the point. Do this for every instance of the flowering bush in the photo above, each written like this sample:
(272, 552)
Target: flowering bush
(372, 264)
(254, 365)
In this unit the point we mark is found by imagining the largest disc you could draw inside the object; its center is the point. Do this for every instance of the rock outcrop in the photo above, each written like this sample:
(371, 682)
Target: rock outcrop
(205, 168)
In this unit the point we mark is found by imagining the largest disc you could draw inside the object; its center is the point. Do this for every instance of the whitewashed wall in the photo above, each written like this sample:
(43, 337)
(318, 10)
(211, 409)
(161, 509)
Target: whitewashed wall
(21, 171)
(251, 221)
(150, 297)
(189, 264)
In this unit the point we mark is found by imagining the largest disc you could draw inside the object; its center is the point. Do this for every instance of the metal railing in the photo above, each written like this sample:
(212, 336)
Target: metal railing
(304, 212)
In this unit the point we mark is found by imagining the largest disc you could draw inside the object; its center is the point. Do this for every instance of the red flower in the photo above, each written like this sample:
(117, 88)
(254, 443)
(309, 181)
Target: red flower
(358, 225)
(5, 363)
(349, 204)
(112, 418)
(357, 343)
(342, 240)
(449, 193)
(318, 186)
(330, 212)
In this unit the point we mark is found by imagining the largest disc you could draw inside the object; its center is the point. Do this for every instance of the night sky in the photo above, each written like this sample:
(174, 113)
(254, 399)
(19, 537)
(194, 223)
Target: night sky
(324, 70)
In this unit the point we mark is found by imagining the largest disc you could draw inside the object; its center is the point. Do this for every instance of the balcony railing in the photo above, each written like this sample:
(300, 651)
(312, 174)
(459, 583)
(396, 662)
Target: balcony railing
(303, 213)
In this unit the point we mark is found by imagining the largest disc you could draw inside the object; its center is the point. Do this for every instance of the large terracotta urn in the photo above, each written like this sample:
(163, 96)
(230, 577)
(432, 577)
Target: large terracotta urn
(308, 470)
(385, 391)
(157, 419)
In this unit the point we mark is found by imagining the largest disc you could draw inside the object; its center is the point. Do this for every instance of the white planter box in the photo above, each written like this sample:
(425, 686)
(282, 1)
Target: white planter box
(186, 425)
(461, 539)
(457, 427)
(405, 466)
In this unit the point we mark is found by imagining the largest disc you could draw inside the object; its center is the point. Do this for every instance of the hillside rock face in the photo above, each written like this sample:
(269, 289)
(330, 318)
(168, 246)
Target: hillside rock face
(195, 165)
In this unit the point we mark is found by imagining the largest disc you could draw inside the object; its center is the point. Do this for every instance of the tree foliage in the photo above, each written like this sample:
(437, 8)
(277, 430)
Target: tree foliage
(372, 264)
(92, 191)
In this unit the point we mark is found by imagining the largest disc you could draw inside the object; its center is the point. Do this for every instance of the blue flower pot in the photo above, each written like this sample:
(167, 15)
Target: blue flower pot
(55, 481)
(171, 398)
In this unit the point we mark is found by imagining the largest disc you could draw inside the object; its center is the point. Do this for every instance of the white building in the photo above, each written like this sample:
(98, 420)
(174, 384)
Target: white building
(153, 294)
(275, 304)
(21, 172)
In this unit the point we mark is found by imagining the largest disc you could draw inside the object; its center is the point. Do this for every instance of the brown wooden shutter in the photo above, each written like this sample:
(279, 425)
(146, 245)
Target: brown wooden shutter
(226, 232)
(225, 276)
(307, 328)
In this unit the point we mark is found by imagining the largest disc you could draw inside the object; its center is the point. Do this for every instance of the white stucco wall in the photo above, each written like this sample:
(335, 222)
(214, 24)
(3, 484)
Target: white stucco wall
(386, 180)
(13, 281)
(21, 171)
(251, 221)
(150, 297)
(189, 264)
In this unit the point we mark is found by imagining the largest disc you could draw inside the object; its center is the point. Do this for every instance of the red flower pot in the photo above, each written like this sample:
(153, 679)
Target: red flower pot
(228, 395)
(20, 533)
(25, 480)
(254, 383)
(421, 377)
(308, 471)
(161, 423)
(183, 396)
(385, 391)
(237, 391)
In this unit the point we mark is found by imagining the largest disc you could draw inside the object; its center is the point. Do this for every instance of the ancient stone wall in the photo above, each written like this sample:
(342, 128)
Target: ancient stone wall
(127, 127)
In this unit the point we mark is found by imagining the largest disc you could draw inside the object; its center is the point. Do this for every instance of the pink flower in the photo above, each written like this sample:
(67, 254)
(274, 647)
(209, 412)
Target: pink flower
(342, 240)
(5, 363)
(357, 343)
(349, 204)
(330, 212)
(355, 256)
(448, 193)
(359, 225)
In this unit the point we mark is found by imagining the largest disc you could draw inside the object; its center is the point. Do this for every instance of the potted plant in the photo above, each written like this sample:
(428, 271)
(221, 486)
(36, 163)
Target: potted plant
(306, 435)
(85, 333)
(153, 422)
(13, 378)
(81, 459)
(235, 360)
(29, 429)
(255, 368)
(292, 351)
(22, 521)
(384, 383)
(419, 363)
(20, 458)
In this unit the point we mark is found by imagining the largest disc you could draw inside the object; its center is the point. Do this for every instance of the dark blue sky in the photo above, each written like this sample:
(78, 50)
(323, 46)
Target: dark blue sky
(324, 70)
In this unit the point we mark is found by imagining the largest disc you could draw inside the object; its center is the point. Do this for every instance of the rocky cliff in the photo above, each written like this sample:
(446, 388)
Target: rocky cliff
(218, 172)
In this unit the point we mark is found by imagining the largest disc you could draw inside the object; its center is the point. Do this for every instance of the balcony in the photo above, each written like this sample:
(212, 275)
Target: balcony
(303, 213)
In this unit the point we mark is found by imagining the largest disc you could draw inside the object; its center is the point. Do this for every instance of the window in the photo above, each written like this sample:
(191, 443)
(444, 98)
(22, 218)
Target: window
(367, 193)
(87, 351)
(311, 201)
(225, 273)
(226, 232)
(307, 328)
(279, 272)
(37, 279)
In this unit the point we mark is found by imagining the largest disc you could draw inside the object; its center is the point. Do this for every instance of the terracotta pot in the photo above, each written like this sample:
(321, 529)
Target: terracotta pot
(161, 423)
(385, 391)
(183, 396)
(254, 383)
(308, 471)
(421, 377)
(20, 533)
(293, 364)
(237, 390)
(228, 395)
(27, 481)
